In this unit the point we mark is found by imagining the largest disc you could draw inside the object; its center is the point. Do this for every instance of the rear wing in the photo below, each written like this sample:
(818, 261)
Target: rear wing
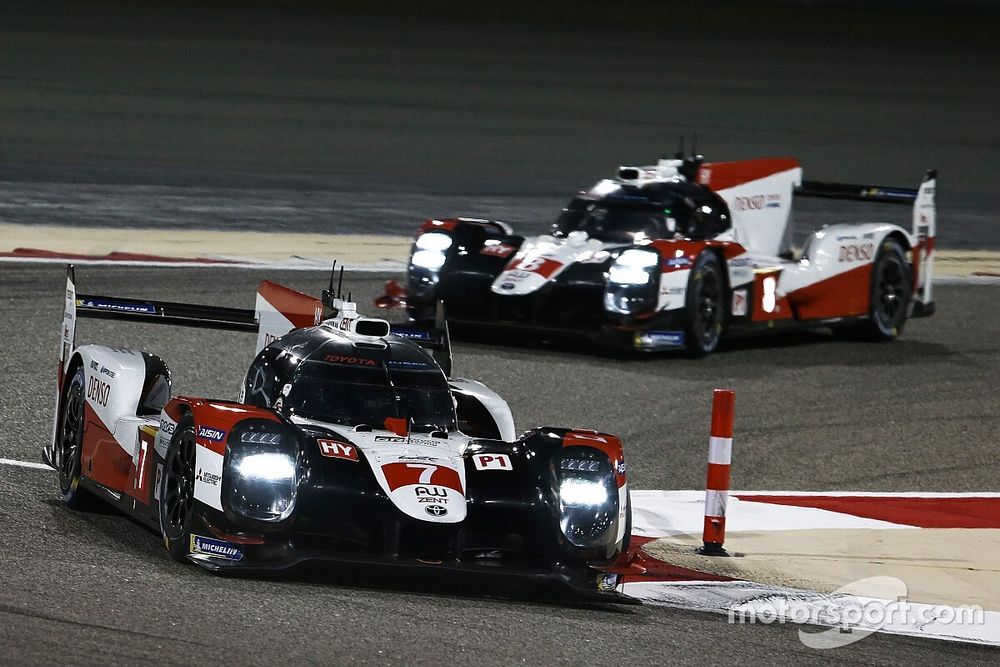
(924, 215)
(278, 310)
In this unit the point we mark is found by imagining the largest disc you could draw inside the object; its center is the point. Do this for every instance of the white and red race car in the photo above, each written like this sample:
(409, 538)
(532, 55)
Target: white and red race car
(676, 254)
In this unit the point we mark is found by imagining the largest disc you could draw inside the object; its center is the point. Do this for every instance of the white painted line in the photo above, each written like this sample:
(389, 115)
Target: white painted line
(25, 464)
(388, 266)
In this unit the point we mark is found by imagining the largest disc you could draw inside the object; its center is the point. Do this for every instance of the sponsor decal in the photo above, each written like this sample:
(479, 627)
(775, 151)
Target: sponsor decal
(389, 438)
(425, 442)
(348, 360)
(215, 548)
(758, 202)
(107, 371)
(492, 462)
(207, 477)
(431, 494)
(334, 449)
(621, 468)
(118, 306)
(543, 266)
(98, 391)
(853, 252)
(593, 257)
(93, 365)
(167, 426)
(211, 434)
(677, 262)
(412, 334)
(400, 474)
(740, 304)
(156, 486)
(507, 286)
(654, 339)
(401, 363)
(497, 250)
(436, 510)
(417, 458)
(607, 581)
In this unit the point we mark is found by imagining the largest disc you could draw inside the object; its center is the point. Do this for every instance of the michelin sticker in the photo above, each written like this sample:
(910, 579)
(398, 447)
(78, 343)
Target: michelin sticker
(215, 548)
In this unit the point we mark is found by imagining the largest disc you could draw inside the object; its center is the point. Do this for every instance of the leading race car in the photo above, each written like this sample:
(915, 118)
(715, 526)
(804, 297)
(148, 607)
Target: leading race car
(677, 254)
(349, 443)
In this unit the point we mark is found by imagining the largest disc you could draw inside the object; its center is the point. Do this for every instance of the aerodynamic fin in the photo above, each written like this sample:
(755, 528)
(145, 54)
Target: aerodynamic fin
(280, 309)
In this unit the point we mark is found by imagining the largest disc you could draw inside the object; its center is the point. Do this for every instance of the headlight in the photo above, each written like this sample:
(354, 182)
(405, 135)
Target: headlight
(583, 492)
(433, 241)
(588, 498)
(428, 259)
(632, 282)
(260, 481)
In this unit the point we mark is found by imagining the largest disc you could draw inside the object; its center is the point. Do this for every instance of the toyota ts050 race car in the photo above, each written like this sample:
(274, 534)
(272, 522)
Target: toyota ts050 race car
(675, 255)
(349, 443)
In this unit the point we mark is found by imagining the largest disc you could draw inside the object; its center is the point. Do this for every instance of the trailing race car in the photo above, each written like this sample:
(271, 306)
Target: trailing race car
(349, 443)
(677, 254)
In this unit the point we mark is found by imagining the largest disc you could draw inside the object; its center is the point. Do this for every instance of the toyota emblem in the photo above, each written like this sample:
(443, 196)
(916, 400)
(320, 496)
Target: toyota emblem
(436, 510)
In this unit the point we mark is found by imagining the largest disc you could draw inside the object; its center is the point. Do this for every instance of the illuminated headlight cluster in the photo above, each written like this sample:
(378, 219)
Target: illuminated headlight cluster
(261, 476)
(429, 250)
(588, 498)
(633, 282)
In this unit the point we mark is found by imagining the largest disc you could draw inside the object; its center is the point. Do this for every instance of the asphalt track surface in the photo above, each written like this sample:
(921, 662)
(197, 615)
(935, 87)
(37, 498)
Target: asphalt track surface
(274, 120)
(812, 413)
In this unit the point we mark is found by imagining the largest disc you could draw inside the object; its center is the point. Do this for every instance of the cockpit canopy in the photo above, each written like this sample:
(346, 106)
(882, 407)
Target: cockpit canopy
(621, 213)
(317, 374)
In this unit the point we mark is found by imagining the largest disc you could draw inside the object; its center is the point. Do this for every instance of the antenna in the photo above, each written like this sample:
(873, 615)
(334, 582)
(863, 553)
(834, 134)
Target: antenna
(349, 297)
(340, 281)
(328, 295)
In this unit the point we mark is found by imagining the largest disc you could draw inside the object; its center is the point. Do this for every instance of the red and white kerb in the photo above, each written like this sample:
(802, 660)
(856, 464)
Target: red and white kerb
(720, 452)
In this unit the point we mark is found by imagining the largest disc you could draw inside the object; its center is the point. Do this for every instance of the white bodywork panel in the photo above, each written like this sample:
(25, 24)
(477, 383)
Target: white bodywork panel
(494, 404)
(435, 466)
(543, 258)
(761, 209)
(114, 380)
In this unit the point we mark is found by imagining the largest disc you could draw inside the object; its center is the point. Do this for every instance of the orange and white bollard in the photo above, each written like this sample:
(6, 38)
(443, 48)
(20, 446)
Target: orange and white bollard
(720, 453)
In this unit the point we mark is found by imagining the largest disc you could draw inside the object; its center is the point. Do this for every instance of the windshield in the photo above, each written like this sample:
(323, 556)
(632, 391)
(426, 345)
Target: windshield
(613, 222)
(352, 394)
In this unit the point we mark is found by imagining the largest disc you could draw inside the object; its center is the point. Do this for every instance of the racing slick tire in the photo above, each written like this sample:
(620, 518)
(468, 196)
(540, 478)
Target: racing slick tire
(70, 444)
(704, 306)
(891, 290)
(177, 491)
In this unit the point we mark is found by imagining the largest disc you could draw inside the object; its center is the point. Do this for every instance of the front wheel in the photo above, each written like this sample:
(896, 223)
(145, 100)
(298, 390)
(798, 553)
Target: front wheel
(177, 501)
(70, 445)
(705, 306)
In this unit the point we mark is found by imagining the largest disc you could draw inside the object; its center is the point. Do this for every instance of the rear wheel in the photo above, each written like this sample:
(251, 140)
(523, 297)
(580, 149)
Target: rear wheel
(891, 291)
(70, 445)
(705, 306)
(177, 491)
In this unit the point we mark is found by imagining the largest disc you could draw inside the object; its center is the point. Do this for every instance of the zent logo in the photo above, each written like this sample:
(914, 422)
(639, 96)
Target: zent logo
(334, 449)
(211, 434)
(492, 462)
